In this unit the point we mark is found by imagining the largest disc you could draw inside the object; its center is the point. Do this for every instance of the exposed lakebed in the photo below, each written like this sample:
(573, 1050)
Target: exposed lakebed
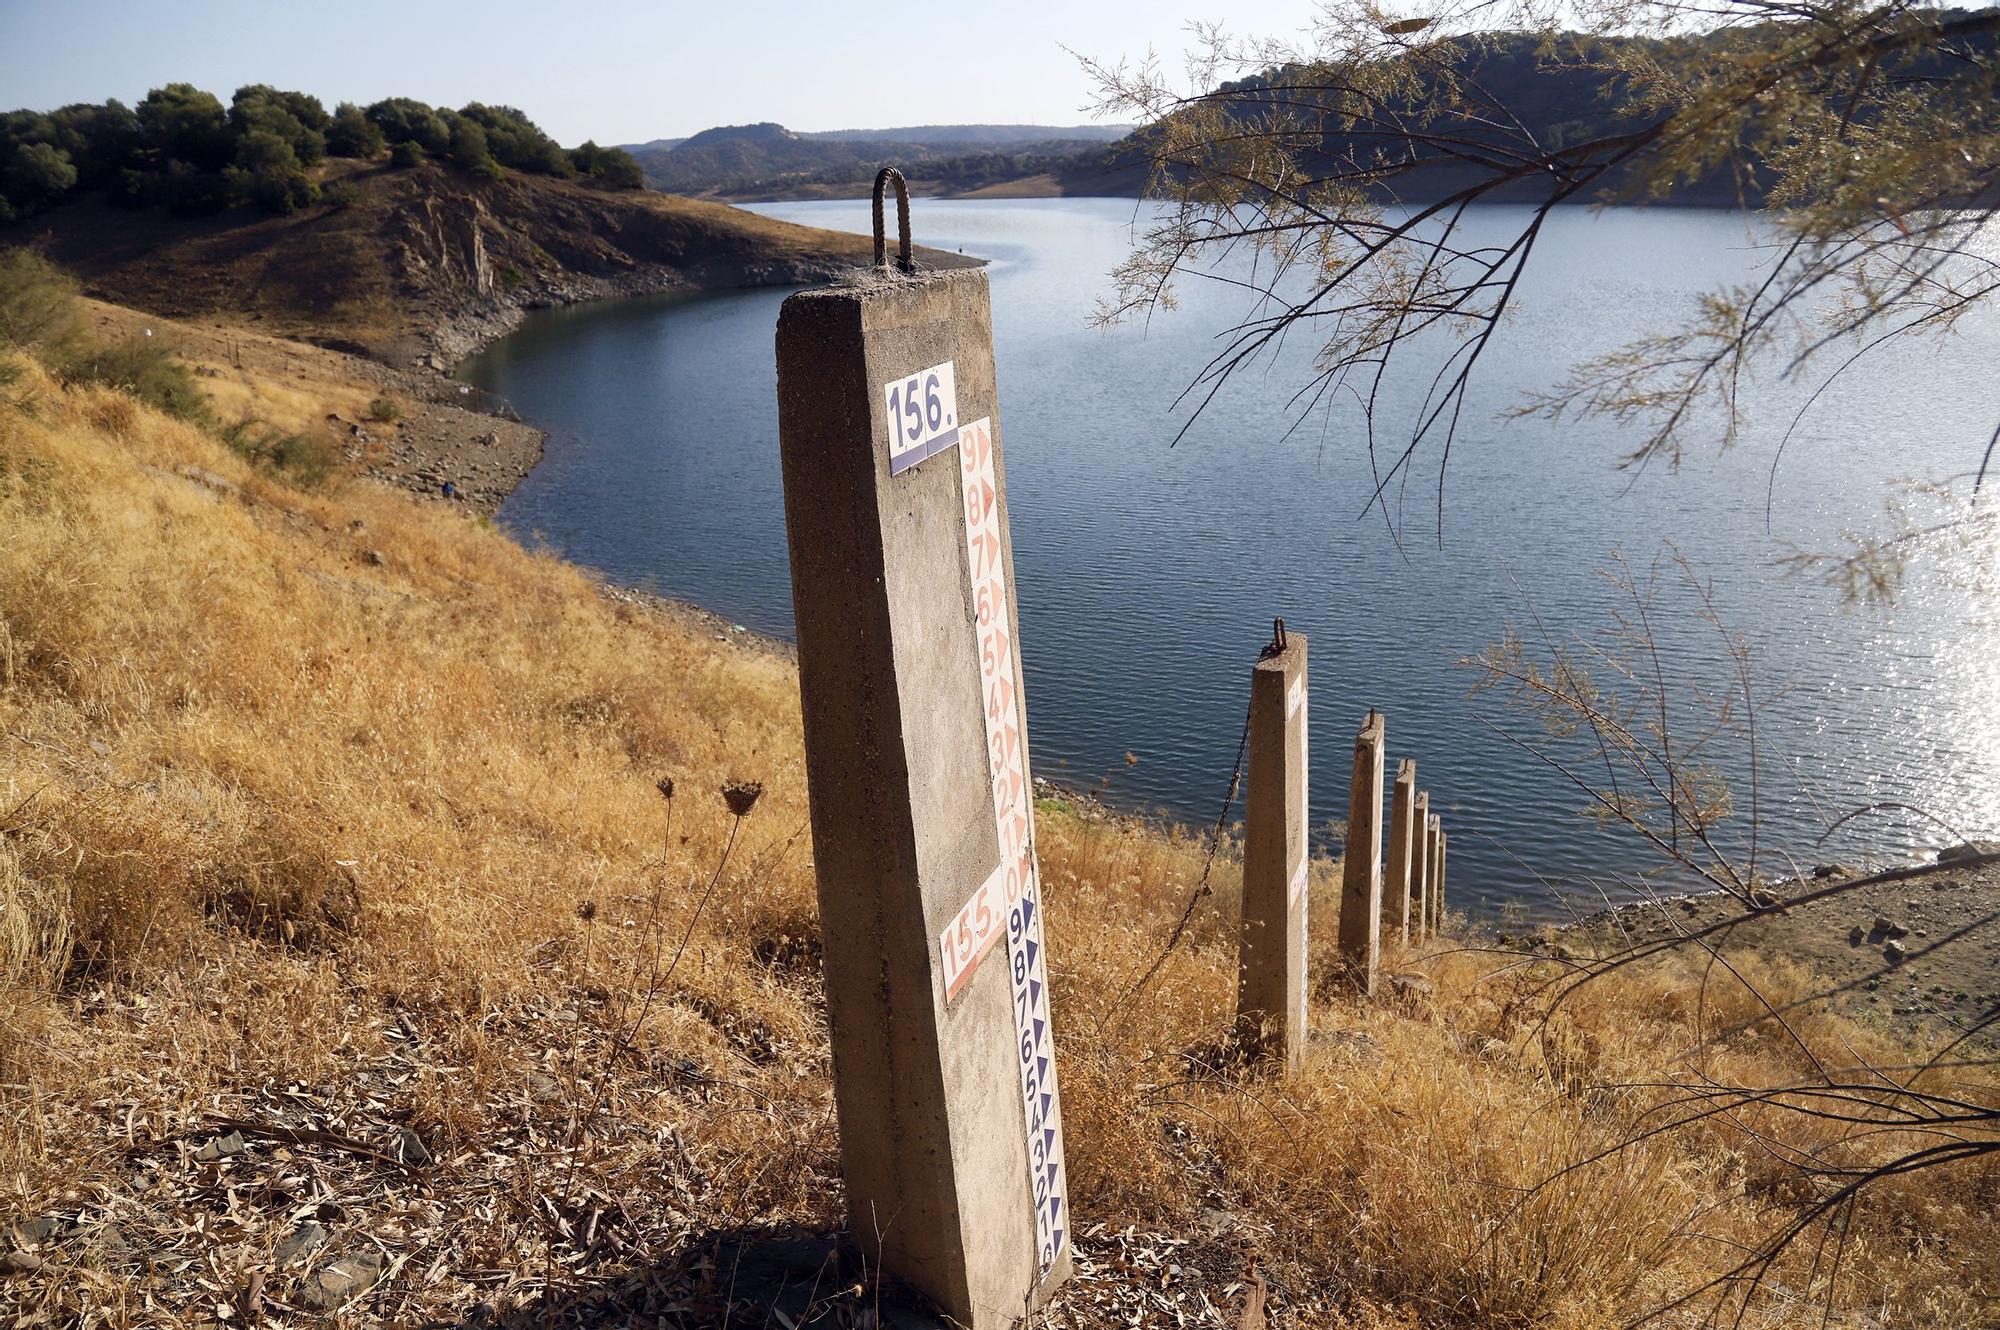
(1149, 571)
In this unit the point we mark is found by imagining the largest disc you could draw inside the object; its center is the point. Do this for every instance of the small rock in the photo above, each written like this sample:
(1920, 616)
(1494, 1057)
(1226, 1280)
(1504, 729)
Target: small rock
(1971, 849)
(1888, 927)
(19, 1263)
(222, 1147)
(1833, 870)
(1765, 899)
(340, 1281)
(31, 1232)
(206, 479)
(1895, 953)
(373, 558)
(304, 1240)
(1856, 936)
(410, 1148)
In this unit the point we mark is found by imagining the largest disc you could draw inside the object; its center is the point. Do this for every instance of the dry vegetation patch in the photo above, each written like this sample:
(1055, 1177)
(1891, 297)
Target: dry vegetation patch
(379, 946)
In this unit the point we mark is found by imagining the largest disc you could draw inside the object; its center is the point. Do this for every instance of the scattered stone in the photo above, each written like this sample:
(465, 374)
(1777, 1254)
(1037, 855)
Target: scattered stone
(373, 558)
(307, 1238)
(222, 1147)
(1832, 870)
(1888, 927)
(1410, 986)
(19, 1263)
(1971, 849)
(31, 1232)
(410, 1148)
(1856, 936)
(1896, 953)
(340, 1281)
(206, 479)
(1765, 899)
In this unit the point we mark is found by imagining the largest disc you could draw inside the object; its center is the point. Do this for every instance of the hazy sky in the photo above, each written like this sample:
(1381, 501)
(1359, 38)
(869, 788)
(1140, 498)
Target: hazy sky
(618, 71)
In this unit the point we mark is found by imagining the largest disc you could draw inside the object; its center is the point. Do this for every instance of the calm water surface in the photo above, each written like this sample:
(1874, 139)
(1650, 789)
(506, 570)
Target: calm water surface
(1149, 572)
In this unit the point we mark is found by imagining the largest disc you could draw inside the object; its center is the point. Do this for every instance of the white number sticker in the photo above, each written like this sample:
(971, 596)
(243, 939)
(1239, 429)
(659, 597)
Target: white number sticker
(922, 416)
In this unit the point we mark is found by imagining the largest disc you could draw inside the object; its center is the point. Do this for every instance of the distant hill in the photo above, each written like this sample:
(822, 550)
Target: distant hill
(990, 136)
(767, 160)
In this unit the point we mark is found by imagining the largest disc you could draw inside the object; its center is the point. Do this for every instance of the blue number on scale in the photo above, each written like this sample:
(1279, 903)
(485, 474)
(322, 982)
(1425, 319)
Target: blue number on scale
(912, 411)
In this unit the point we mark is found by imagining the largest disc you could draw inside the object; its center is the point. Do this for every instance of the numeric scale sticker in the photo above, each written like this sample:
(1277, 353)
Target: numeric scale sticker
(1295, 714)
(922, 415)
(1015, 888)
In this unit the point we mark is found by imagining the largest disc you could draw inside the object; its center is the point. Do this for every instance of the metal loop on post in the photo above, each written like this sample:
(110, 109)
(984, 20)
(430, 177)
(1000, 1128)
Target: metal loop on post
(1277, 646)
(885, 176)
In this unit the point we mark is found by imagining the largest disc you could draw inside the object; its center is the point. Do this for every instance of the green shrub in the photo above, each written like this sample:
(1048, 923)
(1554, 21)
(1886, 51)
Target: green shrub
(39, 313)
(614, 168)
(405, 154)
(384, 409)
(35, 175)
(306, 460)
(268, 173)
(340, 194)
(144, 368)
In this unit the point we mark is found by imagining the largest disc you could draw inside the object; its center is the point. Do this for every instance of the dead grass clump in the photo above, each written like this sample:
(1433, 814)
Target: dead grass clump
(34, 928)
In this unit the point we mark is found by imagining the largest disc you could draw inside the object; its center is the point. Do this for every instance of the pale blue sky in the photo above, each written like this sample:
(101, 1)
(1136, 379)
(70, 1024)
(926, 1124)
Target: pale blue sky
(617, 72)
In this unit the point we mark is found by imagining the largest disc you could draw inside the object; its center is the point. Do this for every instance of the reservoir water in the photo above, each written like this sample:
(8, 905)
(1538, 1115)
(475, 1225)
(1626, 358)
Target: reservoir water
(1149, 570)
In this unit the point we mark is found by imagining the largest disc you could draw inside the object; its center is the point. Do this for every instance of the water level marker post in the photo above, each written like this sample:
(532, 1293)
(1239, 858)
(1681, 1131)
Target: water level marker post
(1444, 856)
(1271, 947)
(1361, 868)
(1433, 875)
(1396, 879)
(917, 769)
(1420, 867)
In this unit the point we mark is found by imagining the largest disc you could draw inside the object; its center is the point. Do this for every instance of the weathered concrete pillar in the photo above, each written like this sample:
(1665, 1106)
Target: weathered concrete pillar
(1361, 870)
(1433, 875)
(1420, 867)
(917, 765)
(1444, 856)
(1402, 841)
(1271, 956)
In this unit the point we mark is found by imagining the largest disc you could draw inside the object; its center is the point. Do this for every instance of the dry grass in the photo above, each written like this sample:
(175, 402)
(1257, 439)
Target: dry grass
(303, 841)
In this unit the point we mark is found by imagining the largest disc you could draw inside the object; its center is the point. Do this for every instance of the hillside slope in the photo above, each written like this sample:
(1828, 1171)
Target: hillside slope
(428, 261)
(356, 967)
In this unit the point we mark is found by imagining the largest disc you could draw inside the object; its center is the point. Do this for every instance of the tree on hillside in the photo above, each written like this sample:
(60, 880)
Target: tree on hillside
(1348, 166)
(614, 168)
(517, 141)
(181, 123)
(352, 134)
(404, 120)
(294, 117)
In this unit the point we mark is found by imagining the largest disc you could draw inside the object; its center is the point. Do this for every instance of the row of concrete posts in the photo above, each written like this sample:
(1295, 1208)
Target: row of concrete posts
(930, 901)
(1406, 901)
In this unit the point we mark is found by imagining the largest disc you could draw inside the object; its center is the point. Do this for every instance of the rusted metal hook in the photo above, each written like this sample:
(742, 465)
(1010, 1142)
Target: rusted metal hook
(885, 176)
(1277, 645)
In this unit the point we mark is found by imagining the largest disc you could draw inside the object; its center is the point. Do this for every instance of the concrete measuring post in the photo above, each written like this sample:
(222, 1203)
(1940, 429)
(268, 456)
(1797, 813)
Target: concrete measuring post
(1361, 869)
(1396, 882)
(1271, 949)
(1433, 875)
(1444, 857)
(1420, 867)
(917, 765)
